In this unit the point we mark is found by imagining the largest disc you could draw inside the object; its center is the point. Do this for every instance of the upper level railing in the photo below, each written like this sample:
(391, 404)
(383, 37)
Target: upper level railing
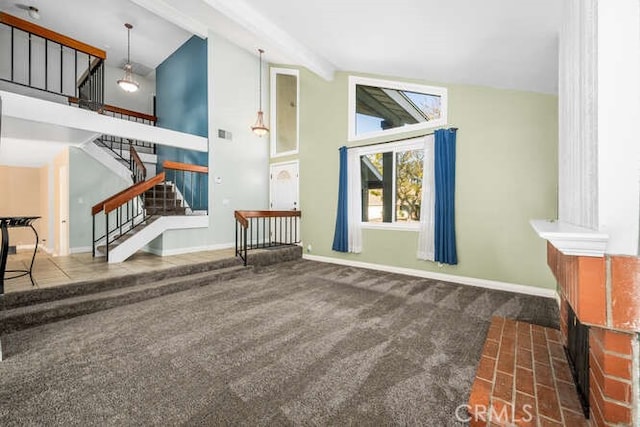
(192, 182)
(265, 229)
(121, 113)
(42, 59)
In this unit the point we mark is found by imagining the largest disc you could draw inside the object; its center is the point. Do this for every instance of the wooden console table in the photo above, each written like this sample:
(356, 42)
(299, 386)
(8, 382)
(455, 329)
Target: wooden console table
(13, 222)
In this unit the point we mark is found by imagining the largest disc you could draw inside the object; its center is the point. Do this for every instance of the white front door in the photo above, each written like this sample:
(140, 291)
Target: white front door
(284, 186)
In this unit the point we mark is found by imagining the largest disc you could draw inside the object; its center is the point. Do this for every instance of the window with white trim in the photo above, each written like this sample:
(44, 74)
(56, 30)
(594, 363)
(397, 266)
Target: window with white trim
(383, 107)
(391, 184)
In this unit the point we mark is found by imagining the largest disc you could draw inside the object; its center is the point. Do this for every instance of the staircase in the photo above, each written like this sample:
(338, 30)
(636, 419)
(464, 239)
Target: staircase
(135, 216)
(163, 199)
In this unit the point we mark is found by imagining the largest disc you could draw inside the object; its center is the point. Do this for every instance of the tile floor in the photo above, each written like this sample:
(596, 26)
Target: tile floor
(51, 271)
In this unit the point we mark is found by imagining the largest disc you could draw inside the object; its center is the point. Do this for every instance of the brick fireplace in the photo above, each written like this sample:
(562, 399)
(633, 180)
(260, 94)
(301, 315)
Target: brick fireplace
(604, 293)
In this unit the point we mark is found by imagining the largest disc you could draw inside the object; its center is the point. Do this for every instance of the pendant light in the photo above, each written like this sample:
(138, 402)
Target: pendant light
(259, 127)
(127, 83)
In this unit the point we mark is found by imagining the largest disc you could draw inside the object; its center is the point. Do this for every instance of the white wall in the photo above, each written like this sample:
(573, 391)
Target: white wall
(141, 101)
(619, 123)
(242, 163)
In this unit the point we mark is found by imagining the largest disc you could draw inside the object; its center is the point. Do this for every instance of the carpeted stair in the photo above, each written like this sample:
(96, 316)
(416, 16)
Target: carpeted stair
(23, 310)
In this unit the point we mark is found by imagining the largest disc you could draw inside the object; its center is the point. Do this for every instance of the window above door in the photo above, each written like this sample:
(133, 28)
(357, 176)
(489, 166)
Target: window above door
(285, 98)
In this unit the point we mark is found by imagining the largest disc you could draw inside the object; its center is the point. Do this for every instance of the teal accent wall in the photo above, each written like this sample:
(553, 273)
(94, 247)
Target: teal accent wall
(181, 105)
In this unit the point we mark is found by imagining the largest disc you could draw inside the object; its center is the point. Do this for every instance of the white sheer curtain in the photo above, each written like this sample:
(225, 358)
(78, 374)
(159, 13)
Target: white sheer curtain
(426, 249)
(353, 205)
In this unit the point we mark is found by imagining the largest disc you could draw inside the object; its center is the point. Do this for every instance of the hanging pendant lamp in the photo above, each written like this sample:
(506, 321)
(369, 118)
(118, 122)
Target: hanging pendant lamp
(259, 127)
(127, 83)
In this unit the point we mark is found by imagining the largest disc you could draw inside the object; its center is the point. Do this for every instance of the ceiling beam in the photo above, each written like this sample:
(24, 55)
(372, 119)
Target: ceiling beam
(246, 17)
(173, 14)
(251, 20)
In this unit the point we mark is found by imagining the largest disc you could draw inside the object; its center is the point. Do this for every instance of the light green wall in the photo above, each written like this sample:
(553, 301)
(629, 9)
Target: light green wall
(89, 183)
(506, 175)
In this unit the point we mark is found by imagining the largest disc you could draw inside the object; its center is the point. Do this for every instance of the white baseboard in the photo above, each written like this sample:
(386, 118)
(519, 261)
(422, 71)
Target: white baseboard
(80, 250)
(41, 246)
(463, 280)
(180, 251)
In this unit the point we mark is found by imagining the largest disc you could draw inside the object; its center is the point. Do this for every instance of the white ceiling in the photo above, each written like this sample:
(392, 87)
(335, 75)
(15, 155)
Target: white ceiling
(499, 43)
(100, 23)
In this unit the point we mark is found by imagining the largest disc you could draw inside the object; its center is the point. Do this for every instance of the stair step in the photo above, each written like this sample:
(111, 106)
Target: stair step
(48, 311)
(36, 296)
(160, 194)
(168, 212)
(112, 245)
(149, 202)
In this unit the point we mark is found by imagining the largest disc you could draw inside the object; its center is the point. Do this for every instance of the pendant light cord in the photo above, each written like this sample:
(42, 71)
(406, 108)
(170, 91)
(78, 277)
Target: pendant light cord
(260, 85)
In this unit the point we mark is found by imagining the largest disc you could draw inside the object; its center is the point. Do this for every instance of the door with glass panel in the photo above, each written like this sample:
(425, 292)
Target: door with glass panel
(284, 181)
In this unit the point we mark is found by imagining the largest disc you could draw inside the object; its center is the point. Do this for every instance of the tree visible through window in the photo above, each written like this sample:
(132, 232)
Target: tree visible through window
(392, 185)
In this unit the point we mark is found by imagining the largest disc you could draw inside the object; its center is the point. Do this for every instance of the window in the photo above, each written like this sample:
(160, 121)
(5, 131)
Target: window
(381, 107)
(284, 111)
(391, 183)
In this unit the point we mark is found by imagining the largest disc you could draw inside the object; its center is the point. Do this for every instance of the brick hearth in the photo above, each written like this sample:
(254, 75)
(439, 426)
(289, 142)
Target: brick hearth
(523, 379)
(605, 294)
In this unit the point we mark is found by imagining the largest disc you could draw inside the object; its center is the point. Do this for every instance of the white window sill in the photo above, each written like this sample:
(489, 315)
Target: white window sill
(414, 226)
(570, 239)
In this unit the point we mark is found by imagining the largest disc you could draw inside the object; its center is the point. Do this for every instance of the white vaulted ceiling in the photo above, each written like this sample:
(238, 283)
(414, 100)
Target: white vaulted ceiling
(499, 43)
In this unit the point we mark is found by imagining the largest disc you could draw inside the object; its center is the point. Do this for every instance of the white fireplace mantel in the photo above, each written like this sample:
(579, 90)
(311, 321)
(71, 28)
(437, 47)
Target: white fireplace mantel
(571, 239)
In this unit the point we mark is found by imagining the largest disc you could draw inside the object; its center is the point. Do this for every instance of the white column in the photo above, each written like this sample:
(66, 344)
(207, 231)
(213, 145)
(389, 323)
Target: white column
(578, 109)
(619, 123)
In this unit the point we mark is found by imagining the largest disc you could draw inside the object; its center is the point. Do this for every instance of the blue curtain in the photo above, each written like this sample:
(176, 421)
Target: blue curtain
(341, 235)
(445, 182)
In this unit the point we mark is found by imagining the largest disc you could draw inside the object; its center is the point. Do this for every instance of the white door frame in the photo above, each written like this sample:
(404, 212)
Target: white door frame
(271, 167)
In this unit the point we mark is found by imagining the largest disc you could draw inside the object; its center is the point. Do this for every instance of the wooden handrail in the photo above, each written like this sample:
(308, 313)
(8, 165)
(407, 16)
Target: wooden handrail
(119, 110)
(136, 159)
(32, 28)
(97, 208)
(124, 111)
(243, 216)
(168, 164)
(133, 192)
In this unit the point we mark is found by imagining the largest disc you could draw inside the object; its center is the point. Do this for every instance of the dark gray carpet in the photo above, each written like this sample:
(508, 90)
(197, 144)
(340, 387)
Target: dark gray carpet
(301, 343)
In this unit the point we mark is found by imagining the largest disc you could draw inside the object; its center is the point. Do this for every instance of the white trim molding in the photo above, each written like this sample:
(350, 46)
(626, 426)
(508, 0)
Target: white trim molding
(402, 86)
(181, 251)
(461, 280)
(571, 239)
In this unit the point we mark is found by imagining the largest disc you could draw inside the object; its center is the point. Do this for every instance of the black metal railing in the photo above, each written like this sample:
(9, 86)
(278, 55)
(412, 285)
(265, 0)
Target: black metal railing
(265, 229)
(192, 184)
(50, 62)
(578, 355)
(123, 212)
(136, 166)
(121, 147)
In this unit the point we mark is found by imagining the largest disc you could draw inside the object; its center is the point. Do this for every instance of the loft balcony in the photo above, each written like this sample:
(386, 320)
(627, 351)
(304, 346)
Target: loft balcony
(44, 77)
